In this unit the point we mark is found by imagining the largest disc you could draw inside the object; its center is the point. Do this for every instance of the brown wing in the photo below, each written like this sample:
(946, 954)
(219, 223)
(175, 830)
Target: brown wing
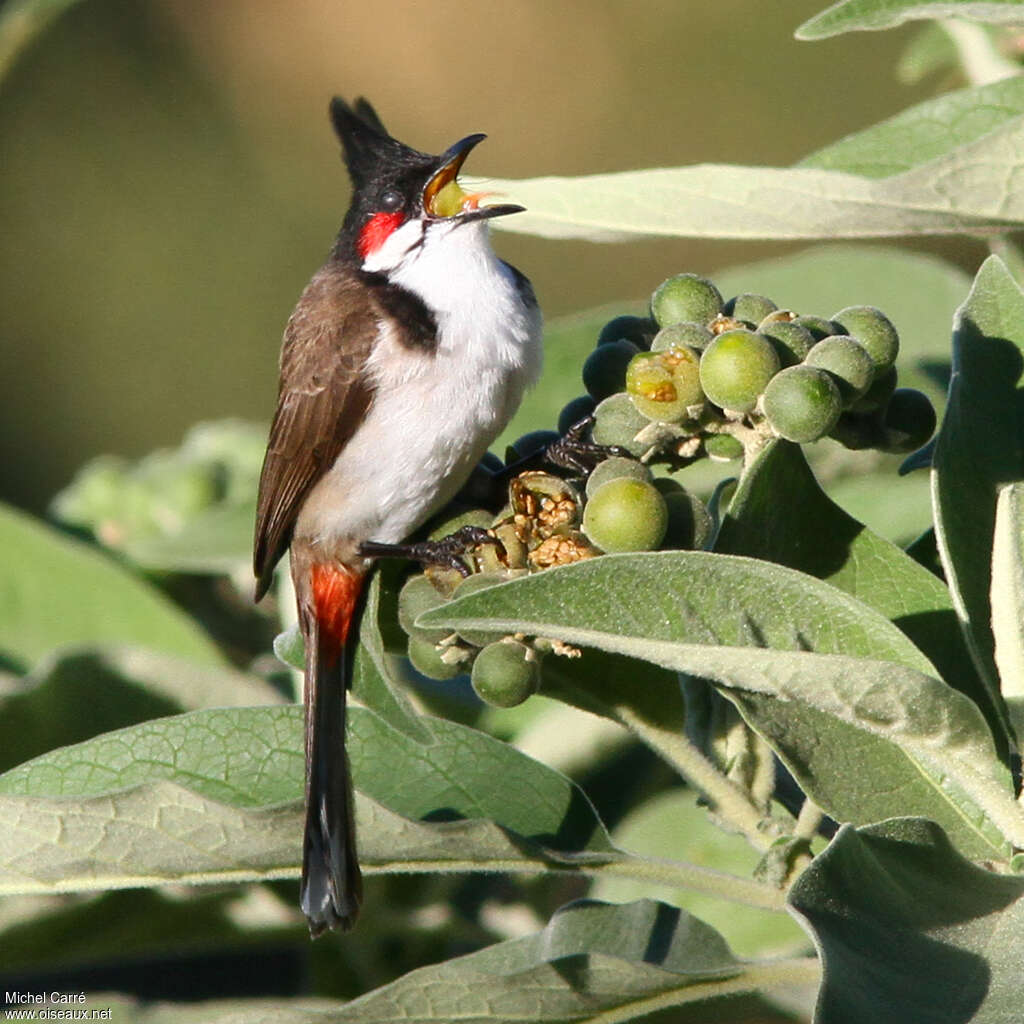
(323, 397)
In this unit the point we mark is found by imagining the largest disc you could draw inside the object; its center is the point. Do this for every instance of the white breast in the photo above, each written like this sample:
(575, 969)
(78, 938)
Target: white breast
(435, 411)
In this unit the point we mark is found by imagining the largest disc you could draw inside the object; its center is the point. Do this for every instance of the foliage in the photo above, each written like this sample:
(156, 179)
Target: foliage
(845, 704)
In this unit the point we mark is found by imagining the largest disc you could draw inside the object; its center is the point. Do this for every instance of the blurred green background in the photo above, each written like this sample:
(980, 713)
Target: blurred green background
(169, 180)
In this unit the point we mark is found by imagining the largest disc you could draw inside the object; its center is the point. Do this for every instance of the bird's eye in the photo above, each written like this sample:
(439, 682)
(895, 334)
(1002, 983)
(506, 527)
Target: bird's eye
(391, 200)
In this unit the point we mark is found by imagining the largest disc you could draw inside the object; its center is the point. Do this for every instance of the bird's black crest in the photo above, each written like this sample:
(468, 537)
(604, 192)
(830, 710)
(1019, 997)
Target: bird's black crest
(367, 146)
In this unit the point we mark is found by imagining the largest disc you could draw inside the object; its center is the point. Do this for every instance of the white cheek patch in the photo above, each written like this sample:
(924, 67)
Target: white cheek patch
(395, 248)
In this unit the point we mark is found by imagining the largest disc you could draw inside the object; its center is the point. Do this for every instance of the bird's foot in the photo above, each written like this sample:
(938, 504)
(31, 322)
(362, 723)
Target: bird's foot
(446, 552)
(572, 451)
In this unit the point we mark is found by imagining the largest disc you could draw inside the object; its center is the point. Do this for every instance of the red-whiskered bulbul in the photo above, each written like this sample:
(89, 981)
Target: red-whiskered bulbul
(406, 355)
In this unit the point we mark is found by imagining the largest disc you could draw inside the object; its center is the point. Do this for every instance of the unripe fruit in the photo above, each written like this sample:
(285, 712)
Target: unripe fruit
(689, 522)
(452, 523)
(611, 469)
(471, 585)
(857, 432)
(818, 326)
(736, 367)
(617, 422)
(506, 673)
(877, 396)
(685, 297)
(723, 447)
(792, 342)
(665, 385)
(491, 462)
(637, 329)
(418, 595)
(749, 307)
(604, 371)
(848, 362)
(426, 659)
(574, 411)
(909, 421)
(874, 330)
(626, 515)
(530, 444)
(802, 403)
(687, 333)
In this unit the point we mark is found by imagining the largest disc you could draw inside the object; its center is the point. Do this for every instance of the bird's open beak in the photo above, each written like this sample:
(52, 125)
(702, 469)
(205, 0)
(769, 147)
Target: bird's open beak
(445, 198)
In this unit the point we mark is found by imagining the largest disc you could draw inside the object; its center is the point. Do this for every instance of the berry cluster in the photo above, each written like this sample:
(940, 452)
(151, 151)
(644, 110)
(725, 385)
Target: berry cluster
(548, 522)
(699, 377)
(701, 369)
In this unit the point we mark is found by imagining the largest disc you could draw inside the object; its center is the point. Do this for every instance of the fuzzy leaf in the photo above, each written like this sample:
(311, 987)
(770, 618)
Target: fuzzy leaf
(850, 557)
(1008, 589)
(57, 592)
(963, 190)
(924, 132)
(908, 930)
(215, 796)
(859, 15)
(852, 707)
(980, 448)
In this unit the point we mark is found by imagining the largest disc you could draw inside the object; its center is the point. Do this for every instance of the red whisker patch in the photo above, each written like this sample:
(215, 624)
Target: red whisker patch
(375, 231)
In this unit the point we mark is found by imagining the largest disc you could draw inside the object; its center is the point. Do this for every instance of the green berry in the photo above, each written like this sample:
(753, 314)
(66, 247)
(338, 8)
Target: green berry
(617, 421)
(626, 515)
(574, 411)
(736, 367)
(723, 447)
(637, 329)
(685, 297)
(792, 342)
(817, 325)
(857, 432)
(452, 522)
(848, 362)
(604, 371)
(665, 385)
(909, 421)
(530, 444)
(688, 333)
(611, 469)
(490, 461)
(802, 403)
(749, 307)
(418, 595)
(874, 330)
(877, 396)
(426, 659)
(689, 522)
(505, 673)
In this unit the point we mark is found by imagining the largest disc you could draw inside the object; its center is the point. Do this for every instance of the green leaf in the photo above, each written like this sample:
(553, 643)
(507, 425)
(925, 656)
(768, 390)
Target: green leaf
(909, 930)
(980, 447)
(959, 191)
(682, 598)
(57, 592)
(924, 132)
(190, 509)
(860, 15)
(850, 557)
(851, 706)
(1008, 589)
(673, 826)
(57, 703)
(593, 961)
(215, 795)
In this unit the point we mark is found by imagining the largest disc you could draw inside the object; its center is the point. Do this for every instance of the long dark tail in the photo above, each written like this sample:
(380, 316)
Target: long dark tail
(332, 886)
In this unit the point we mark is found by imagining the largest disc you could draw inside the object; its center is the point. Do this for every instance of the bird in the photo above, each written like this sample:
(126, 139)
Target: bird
(406, 355)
